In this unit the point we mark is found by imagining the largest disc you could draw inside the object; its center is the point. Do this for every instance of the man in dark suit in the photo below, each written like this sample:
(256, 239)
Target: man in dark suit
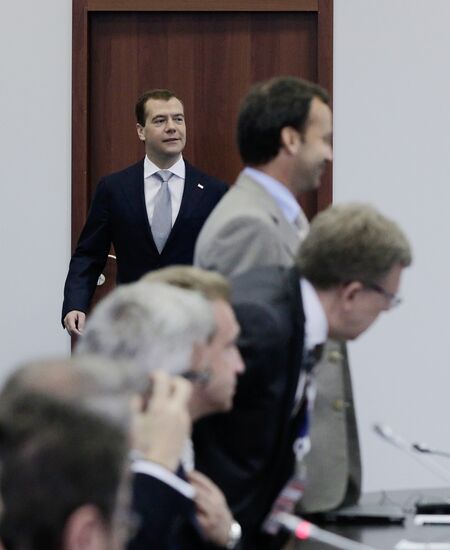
(158, 326)
(152, 211)
(347, 272)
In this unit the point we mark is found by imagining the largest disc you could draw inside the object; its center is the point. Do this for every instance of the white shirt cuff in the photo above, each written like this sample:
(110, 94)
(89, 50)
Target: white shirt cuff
(164, 475)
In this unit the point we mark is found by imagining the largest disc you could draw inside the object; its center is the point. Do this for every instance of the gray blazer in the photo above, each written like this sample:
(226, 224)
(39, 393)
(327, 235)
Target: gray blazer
(247, 229)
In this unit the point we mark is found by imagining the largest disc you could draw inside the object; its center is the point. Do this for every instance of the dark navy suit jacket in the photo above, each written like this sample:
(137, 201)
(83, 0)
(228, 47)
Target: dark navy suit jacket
(248, 452)
(118, 215)
(167, 519)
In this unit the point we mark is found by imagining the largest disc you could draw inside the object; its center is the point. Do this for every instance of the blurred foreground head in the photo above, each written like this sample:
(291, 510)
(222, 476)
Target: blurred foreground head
(62, 471)
(224, 362)
(94, 383)
(152, 326)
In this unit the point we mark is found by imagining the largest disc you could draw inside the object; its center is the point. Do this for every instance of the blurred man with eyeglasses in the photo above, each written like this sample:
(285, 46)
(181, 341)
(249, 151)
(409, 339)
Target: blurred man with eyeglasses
(346, 273)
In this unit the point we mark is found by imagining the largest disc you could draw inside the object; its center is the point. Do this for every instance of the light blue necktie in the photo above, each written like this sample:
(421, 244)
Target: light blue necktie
(162, 213)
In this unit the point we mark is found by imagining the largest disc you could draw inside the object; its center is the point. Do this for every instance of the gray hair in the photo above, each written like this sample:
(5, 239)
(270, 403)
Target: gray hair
(351, 242)
(154, 325)
(92, 383)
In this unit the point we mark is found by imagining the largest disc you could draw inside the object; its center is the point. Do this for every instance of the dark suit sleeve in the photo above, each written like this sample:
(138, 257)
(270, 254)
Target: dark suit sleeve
(159, 509)
(166, 518)
(90, 255)
(237, 449)
(219, 187)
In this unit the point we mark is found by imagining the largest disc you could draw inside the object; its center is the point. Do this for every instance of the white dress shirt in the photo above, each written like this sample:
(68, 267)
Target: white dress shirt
(316, 332)
(152, 184)
(141, 466)
(316, 324)
(163, 474)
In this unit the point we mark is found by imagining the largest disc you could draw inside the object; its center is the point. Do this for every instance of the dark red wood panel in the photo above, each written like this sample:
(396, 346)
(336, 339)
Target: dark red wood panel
(202, 5)
(210, 60)
(209, 52)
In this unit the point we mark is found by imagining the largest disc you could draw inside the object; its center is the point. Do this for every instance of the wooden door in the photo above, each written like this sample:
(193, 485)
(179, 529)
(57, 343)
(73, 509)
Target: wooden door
(209, 52)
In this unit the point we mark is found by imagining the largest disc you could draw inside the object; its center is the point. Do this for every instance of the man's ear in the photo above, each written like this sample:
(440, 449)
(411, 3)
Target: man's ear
(348, 293)
(290, 139)
(85, 530)
(140, 132)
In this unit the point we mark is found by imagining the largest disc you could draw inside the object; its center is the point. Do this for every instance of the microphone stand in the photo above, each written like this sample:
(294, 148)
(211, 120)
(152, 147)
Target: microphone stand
(421, 453)
(421, 448)
(416, 451)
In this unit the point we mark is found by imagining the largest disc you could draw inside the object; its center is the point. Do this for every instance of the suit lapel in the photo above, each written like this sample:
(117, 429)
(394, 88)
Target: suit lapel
(193, 192)
(135, 195)
(298, 323)
(257, 193)
(192, 513)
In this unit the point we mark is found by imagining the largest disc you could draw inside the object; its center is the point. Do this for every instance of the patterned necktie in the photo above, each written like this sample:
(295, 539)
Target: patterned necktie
(312, 357)
(162, 213)
(293, 490)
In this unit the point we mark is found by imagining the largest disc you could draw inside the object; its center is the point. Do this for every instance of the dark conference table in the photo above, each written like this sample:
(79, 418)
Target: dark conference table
(387, 536)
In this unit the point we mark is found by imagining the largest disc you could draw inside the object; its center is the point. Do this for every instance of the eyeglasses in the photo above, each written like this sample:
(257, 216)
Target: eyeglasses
(393, 299)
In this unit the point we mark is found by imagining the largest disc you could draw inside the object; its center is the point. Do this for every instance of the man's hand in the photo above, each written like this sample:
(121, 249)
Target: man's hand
(74, 322)
(160, 421)
(213, 513)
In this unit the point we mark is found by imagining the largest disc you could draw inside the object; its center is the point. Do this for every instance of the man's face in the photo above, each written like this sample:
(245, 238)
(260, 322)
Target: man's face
(314, 148)
(164, 132)
(225, 361)
(363, 306)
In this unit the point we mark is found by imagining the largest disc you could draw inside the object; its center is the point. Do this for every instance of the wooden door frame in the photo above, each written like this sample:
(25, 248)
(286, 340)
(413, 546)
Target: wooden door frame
(80, 69)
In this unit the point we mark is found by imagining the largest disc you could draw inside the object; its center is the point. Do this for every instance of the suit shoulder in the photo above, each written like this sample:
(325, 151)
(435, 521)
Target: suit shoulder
(233, 222)
(124, 175)
(193, 173)
(264, 292)
(240, 202)
(259, 282)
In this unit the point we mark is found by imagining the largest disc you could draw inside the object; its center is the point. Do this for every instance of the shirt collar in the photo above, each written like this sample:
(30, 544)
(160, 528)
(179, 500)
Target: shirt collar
(285, 200)
(187, 456)
(316, 324)
(179, 168)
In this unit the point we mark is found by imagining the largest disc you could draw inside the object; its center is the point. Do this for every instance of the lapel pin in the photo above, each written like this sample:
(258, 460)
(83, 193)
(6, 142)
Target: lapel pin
(200, 185)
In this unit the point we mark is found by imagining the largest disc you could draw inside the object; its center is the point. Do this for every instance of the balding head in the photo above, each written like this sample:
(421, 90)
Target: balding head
(94, 383)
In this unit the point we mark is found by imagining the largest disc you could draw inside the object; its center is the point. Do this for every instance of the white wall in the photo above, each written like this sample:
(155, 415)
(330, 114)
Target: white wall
(392, 148)
(392, 96)
(35, 90)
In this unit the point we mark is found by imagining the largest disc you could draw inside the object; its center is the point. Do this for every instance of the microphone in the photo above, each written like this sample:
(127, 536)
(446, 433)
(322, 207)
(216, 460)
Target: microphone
(415, 450)
(426, 508)
(422, 448)
(304, 530)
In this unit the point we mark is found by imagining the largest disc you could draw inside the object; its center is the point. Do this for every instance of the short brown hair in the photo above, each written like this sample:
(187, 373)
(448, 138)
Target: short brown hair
(50, 454)
(269, 107)
(157, 93)
(211, 284)
(351, 242)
